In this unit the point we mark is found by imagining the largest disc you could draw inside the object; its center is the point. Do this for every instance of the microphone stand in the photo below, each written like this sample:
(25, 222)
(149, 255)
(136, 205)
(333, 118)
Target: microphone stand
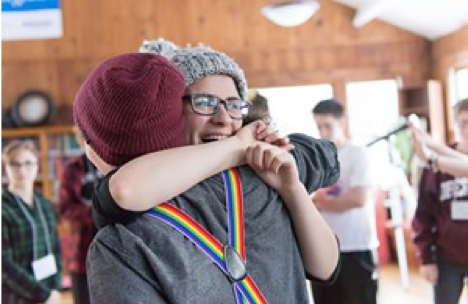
(393, 202)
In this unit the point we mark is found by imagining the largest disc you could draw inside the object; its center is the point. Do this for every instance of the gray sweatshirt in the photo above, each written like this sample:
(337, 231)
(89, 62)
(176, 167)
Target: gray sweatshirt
(148, 261)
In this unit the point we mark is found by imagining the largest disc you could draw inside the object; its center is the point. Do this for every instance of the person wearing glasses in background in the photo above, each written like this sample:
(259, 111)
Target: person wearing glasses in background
(156, 262)
(31, 260)
(259, 109)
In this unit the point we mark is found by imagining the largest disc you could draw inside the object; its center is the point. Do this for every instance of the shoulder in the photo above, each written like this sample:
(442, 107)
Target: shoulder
(7, 196)
(303, 140)
(7, 203)
(130, 243)
(8, 199)
(141, 230)
(354, 148)
(307, 145)
(113, 238)
(354, 152)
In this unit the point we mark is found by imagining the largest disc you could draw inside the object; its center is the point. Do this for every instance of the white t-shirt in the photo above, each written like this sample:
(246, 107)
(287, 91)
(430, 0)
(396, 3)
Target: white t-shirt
(355, 228)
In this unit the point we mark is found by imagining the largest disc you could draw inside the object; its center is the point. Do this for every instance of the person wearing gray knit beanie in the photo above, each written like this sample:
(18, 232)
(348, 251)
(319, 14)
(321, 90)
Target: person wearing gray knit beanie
(196, 62)
(144, 258)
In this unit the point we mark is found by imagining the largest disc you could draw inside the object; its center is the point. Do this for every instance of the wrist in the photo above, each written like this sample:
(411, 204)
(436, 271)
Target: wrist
(237, 148)
(290, 192)
(433, 161)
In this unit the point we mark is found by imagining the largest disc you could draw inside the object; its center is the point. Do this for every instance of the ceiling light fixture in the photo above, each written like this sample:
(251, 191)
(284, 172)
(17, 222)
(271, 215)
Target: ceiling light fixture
(290, 13)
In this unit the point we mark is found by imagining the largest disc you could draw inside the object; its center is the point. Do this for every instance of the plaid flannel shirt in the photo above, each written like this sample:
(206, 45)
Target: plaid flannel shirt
(76, 210)
(18, 282)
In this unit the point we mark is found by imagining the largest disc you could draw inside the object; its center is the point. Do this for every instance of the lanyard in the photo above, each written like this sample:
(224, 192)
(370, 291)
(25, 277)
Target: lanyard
(33, 225)
(225, 257)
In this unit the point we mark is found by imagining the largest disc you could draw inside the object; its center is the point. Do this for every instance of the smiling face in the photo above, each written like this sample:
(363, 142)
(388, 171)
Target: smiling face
(203, 129)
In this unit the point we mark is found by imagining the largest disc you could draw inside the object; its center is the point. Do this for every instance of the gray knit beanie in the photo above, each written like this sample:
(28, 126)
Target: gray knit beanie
(198, 62)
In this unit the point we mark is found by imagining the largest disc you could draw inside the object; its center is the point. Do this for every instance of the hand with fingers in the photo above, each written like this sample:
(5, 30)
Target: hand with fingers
(269, 135)
(430, 273)
(275, 166)
(420, 142)
(320, 198)
(258, 131)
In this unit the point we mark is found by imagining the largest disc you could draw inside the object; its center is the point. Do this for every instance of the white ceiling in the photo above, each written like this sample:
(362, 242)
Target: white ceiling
(429, 18)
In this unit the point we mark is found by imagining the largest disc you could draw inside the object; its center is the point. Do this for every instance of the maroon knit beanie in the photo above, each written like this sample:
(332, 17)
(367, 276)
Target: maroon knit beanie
(131, 105)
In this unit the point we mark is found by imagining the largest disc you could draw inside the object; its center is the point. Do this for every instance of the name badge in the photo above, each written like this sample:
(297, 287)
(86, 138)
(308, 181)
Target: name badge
(44, 267)
(459, 210)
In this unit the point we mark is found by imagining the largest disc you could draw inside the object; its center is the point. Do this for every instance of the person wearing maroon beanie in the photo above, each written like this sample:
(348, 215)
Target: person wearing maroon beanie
(139, 258)
(131, 105)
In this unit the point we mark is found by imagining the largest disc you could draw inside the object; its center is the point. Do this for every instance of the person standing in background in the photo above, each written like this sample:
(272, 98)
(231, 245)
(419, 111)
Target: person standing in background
(441, 221)
(77, 185)
(348, 207)
(31, 259)
(259, 109)
(444, 158)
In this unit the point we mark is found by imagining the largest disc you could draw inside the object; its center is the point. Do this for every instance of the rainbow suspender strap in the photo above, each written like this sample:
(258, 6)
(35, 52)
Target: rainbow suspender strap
(245, 289)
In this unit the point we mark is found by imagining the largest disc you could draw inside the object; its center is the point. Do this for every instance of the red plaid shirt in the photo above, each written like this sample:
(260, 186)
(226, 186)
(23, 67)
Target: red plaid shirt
(76, 211)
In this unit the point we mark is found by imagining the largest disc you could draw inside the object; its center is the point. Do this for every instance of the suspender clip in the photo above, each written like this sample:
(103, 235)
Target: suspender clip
(235, 265)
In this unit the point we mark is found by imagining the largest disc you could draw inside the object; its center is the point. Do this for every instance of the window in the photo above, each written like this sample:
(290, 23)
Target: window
(460, 80)
(373, 111)
(372, 108)
(290, 107)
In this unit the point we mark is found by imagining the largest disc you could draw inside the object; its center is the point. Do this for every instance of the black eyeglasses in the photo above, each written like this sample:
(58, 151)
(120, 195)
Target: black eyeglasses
(17, 165)
(208, 105)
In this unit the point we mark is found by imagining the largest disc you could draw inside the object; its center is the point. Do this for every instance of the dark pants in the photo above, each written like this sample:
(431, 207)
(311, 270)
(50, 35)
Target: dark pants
(356, 283)
(450, 282)
(80, 288)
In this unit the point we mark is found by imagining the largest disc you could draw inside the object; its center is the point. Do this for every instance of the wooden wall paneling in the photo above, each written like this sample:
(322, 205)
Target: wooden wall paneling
(449, 52)
(322, 50)
(20, 77)
(436, 110)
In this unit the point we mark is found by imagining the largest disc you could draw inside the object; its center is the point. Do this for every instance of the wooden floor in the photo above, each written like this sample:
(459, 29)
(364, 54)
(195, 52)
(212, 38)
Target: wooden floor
(390, 290)
(419, 291)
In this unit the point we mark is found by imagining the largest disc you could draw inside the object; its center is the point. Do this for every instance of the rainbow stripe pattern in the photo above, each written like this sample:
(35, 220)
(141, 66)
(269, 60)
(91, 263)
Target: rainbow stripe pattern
(246, 291)
(234, 204)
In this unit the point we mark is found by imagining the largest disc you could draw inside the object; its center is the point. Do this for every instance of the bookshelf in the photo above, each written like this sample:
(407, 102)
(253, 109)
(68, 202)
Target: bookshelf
(56, 145)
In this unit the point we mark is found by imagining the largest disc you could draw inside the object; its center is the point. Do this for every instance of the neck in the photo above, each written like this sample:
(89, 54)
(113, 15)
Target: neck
(25, 192)
(462, 147)
(339, 142)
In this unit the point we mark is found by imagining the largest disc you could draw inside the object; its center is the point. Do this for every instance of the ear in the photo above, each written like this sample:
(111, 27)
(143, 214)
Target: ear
(79, 136)
(102, 166)
(343, 122)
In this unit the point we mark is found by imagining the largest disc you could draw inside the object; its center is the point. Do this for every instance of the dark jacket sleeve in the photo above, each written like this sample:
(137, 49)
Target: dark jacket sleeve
(317, 161)
(424, 222)
(105, 210)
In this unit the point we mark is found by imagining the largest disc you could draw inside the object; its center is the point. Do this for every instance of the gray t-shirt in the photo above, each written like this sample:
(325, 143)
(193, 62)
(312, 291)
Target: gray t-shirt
(148, 261)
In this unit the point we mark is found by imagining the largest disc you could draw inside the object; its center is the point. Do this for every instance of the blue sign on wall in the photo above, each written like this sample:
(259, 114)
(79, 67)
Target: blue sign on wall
(31, 19)
(28, 5)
